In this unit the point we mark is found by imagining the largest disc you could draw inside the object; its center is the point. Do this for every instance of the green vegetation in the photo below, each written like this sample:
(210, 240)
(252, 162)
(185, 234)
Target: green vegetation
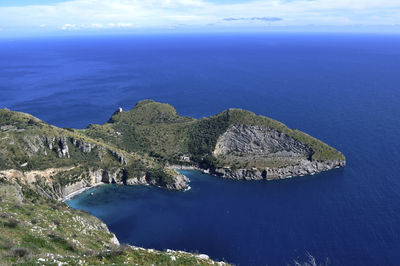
(32, 225)
(156, 129)
(27, 144)
(35, 230)
(150, 127)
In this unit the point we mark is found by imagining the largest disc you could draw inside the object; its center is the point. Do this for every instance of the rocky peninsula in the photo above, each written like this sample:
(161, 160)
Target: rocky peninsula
(141, 147)
(145, 146)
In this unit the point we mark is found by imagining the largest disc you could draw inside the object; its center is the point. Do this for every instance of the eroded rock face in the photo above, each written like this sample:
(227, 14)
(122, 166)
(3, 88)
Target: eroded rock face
(85, 147)
(63, 145)
(244, 140)
(280, 155)
(120, 157)
(303, 168)
(43, 181)
(63, 149)
(114, 176)
(181, 183)
(136, 181)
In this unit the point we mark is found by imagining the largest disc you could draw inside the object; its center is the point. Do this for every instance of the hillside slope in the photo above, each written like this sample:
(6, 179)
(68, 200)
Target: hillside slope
(36, 230)
(40, 165)
(57, 162)
(233, 144)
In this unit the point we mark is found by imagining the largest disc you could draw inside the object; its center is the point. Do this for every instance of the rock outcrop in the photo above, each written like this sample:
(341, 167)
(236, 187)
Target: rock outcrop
(120, 157)
(46, 182)
(59, 144)
(305, 168)
(85, 147)
(271, 155)
(181, 183)
(260, 141)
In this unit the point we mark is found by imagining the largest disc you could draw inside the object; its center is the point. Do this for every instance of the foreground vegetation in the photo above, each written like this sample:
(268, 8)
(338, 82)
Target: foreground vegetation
(35, 230)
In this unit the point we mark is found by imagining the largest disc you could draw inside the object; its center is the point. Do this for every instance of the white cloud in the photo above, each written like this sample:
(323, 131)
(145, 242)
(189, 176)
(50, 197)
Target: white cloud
(106, 14)
(97, 25)
(85, 26)
(124, 25)
(69, 27)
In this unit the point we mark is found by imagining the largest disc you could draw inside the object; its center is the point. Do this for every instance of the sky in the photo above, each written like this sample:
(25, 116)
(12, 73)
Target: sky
(41, 17)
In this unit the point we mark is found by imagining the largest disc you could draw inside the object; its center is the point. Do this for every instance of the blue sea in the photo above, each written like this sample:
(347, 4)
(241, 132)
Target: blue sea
(341, 88)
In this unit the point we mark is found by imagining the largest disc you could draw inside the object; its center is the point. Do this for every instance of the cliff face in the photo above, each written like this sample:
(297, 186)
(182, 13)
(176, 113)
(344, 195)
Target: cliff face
(267, 154)
(303, 168)
(63, 146)
(260, 141)
(47, 182)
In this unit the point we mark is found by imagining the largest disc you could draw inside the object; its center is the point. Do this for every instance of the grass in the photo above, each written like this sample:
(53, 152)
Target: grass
(43, 236)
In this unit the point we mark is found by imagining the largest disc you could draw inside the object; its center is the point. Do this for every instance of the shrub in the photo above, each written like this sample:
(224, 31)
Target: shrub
(19, 252)
(60, 240)
(55, 206)
(89, 252)
(115, 251)
(52, 235)
(7, 244)
(17, 206)
(4, 215)
(12, 223)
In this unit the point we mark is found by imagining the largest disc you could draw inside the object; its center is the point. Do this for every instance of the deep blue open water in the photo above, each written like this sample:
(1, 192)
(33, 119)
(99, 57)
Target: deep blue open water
(342, 89)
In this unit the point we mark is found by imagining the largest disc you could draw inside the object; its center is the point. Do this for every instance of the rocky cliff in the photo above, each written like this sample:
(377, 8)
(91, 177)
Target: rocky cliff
(51, 182)
(266, 153)
(304, 167)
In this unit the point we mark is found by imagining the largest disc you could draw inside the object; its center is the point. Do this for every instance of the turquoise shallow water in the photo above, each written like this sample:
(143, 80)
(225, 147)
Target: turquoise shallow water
(343, 89)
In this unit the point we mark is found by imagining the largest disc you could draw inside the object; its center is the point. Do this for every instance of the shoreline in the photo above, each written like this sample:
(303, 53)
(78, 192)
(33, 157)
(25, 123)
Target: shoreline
(269, 174)
(183, 167)
(79, 191)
